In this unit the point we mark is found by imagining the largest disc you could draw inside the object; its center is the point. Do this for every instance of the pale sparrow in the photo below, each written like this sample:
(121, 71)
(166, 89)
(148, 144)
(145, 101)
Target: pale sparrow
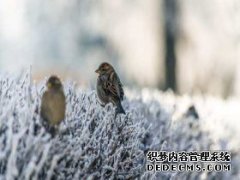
(53, 105)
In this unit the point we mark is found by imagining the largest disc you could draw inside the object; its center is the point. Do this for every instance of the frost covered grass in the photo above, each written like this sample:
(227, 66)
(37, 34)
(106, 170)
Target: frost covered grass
(92, 144)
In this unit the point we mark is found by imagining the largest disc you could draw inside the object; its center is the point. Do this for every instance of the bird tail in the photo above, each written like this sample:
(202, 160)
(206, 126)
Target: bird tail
(119, 109)
(52, 131)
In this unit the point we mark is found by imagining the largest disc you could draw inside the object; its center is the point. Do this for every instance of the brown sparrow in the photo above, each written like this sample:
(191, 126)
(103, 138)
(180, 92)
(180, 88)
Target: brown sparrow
(109, 87)
(53, 105)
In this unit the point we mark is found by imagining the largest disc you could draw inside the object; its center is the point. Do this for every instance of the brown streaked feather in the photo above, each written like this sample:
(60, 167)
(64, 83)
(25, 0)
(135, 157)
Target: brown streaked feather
(114, 86)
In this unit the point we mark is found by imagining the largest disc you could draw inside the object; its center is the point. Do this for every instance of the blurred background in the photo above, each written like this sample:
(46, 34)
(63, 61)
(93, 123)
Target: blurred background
(189, 46)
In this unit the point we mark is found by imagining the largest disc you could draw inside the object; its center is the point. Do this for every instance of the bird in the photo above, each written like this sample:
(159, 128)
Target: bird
(53, 105)
(109, 87)
(192, 111)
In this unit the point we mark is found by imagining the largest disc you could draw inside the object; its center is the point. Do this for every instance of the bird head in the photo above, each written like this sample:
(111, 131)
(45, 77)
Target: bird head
(54, 83)
(104, 68)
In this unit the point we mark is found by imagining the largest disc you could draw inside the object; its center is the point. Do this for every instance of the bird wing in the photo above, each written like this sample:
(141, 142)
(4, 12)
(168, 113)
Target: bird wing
(61, 105)
(114, 86)
(45, 107)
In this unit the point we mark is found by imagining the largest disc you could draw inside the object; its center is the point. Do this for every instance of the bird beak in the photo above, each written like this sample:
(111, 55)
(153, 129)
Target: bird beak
(97, 71)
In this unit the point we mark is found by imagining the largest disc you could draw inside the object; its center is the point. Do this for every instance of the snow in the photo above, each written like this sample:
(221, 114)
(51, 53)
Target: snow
(93, 145)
